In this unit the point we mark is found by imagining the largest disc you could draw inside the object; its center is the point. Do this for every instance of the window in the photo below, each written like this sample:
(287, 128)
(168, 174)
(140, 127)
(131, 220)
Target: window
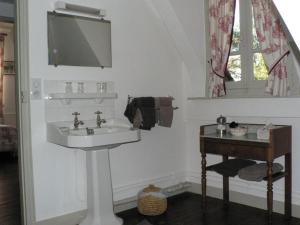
(247, 71)
(245, 64)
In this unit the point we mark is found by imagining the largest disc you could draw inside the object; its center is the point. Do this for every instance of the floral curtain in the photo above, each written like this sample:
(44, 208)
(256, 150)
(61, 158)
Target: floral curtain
(221, 20)
(1, 74)
(274, 47)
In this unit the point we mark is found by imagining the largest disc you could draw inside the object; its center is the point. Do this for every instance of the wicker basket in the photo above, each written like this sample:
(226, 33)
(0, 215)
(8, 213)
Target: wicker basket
(151, 201)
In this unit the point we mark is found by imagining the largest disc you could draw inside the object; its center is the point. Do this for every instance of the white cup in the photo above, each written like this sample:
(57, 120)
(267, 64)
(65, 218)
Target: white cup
(101, 87)
(68, 88)
(80, 87)
(68, 91)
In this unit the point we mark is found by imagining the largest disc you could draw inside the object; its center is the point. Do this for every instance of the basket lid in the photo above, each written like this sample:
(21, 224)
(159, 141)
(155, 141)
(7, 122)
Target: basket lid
(151, 188)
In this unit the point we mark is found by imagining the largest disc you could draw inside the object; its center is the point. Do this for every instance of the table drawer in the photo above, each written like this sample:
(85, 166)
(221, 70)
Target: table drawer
(238, 150)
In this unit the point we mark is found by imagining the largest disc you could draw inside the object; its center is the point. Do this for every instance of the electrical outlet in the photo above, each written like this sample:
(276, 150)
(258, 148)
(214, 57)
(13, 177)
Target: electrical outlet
(36, 89)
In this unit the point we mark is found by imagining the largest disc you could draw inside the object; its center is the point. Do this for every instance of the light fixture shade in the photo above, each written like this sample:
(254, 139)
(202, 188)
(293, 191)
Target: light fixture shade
(67, 7)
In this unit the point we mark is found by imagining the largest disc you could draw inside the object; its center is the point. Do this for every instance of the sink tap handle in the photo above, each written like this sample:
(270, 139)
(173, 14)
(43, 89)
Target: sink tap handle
(98, 112)
(75, 113)
(99, 120)
(76, 121)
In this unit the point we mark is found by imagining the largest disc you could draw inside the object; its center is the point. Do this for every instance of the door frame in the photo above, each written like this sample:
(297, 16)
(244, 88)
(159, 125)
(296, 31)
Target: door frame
(23, 112)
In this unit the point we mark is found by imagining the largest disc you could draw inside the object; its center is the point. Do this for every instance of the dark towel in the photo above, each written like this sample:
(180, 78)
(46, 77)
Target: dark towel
(258, 172)
(130, 110)
(157, 105)
(231, 167)
(138, 119)
(146, 107)
(164, 114)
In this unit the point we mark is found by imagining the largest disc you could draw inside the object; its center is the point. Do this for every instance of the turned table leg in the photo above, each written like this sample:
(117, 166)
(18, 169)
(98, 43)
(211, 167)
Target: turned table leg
(288, 186)
(225, 186)
(270, 191)
(203, 181)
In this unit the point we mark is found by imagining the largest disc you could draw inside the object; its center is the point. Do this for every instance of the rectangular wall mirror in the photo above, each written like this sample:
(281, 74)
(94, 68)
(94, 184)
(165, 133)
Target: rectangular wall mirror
(79, 41)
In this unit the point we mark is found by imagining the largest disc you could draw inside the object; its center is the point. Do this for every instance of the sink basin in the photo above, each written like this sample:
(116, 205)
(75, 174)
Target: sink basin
(111, 134)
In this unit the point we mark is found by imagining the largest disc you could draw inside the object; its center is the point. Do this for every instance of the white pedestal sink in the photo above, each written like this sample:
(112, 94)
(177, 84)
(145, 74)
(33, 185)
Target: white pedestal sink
(99, 186)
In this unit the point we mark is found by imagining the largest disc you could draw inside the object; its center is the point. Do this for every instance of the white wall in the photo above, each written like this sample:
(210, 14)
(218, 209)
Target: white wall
(182, 21)
(290, 14)
(192, 19)
(144, 63)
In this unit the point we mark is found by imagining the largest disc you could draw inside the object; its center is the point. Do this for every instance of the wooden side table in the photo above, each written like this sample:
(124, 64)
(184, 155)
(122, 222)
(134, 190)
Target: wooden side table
(249, 147)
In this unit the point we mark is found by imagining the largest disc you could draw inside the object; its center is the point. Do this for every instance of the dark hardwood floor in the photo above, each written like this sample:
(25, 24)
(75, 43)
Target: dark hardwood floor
(9, 190)
(185, 209)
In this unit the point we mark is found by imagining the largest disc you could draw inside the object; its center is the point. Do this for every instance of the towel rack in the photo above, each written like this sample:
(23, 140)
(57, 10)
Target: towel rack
(130, 97)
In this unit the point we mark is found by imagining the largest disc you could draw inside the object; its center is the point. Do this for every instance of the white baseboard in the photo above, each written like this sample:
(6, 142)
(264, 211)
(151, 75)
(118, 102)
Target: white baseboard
(237, 197)
(125, 204)
(130, 190)
(68, 219)
(125, 197)
(250, 188)
(169, 191)
(255, 196)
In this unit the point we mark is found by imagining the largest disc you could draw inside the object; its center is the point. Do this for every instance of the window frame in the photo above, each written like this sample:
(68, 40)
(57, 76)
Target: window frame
(246, 51)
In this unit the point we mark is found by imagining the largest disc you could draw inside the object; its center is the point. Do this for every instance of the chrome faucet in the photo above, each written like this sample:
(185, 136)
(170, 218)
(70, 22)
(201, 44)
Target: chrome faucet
(99, 120)
(76, 121)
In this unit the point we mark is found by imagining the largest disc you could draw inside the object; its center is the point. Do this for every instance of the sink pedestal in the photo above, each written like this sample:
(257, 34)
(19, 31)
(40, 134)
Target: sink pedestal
(99, 190)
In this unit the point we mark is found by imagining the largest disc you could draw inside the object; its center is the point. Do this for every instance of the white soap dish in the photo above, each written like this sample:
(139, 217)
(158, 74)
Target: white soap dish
(238, 131)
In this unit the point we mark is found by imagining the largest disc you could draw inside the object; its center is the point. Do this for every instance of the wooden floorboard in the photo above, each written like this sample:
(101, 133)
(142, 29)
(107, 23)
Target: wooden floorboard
(185, 209)
(9, 190)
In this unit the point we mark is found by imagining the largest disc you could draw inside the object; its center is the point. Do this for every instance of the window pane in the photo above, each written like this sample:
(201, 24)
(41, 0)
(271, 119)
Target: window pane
(255, 42)
(235, 46)
(234, 67)
(259, 67)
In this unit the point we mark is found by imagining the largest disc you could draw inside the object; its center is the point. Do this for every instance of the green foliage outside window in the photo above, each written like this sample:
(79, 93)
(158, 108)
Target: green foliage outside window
(260, 70)
(259, 67)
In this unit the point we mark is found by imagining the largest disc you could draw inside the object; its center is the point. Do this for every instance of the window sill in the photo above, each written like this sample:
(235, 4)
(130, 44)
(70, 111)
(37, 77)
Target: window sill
(241, 97)
(251, 93)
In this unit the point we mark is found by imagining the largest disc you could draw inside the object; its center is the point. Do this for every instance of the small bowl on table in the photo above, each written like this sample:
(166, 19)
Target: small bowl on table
(238, 131)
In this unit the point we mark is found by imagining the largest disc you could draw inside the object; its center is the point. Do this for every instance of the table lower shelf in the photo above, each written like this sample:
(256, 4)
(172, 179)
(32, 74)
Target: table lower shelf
(275, 177)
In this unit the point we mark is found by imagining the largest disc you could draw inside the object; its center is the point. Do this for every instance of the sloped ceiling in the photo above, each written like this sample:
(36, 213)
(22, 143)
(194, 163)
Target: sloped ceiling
(290, 15)
(194, 63)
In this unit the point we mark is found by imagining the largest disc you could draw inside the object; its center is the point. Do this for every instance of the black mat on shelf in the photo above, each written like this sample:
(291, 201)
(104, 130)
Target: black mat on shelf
(258, 172)
(231, 167)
